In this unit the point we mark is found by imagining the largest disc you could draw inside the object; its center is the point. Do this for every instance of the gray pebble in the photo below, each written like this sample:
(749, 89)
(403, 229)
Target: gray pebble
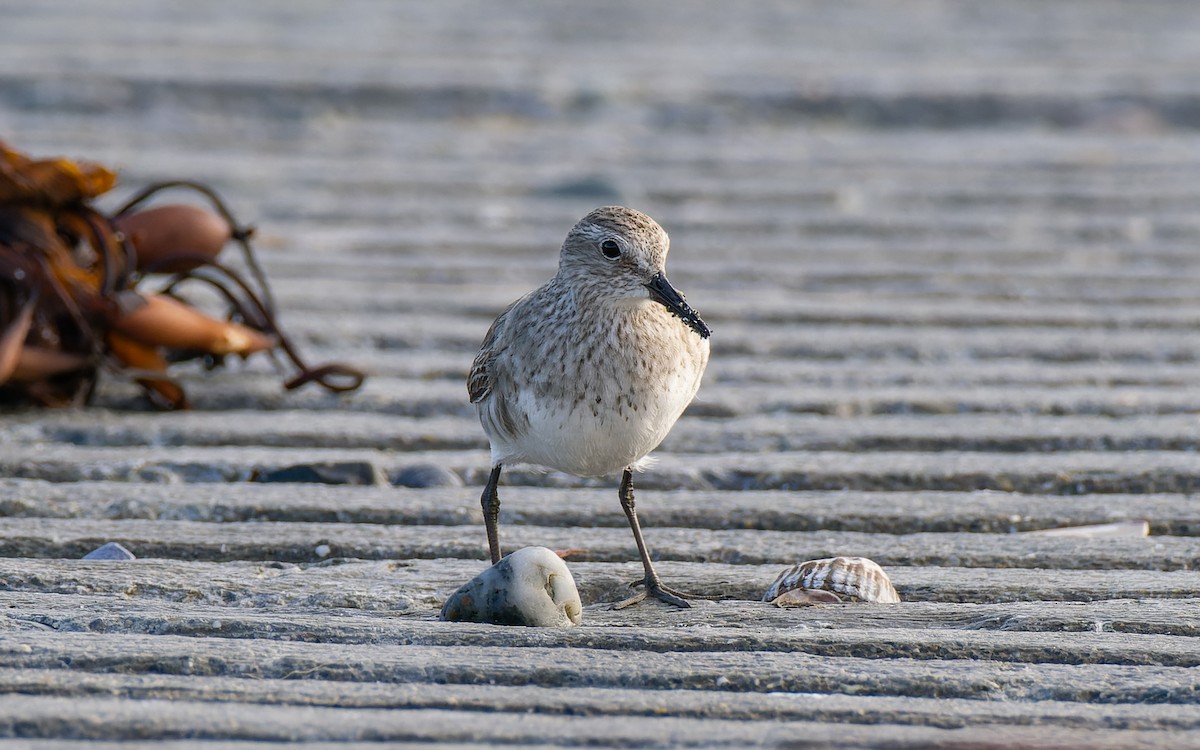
(595, 188)
(426, 475)
(531, 586)
(326, 472)
(110, 551)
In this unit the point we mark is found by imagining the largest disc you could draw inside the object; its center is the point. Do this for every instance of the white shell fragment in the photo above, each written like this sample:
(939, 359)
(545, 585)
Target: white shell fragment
(531, 586)
(1117, 529)
(804, 597)
(830, 579)
(110, 551)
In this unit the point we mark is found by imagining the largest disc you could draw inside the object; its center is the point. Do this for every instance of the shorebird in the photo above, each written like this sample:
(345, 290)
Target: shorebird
(588, 373)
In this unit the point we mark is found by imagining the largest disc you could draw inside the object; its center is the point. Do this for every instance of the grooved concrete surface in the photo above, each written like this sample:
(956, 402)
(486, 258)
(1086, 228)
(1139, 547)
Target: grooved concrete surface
(949, 251)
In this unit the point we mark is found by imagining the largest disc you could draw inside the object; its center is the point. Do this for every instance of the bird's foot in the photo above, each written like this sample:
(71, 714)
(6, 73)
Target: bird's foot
(655, 588)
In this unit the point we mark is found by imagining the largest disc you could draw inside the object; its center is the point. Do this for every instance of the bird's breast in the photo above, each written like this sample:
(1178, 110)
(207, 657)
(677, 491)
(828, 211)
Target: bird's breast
(600, 402)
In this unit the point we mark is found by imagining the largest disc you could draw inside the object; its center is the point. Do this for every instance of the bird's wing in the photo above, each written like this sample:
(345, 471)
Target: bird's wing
(482, 376)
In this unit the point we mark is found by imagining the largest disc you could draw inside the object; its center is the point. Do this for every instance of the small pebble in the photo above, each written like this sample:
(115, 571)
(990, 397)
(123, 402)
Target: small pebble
(595, 188)
(426, 475)
(110, 551)
(325, 472)
(531, 586)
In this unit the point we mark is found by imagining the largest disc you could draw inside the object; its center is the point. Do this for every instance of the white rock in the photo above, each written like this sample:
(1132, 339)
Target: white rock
(531, 586)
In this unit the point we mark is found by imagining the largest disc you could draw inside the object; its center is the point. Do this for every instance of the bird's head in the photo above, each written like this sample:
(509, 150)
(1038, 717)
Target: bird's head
(620, 252)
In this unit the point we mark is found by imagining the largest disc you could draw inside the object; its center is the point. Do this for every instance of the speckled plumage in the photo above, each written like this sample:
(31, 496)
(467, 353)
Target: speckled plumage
(588, 373)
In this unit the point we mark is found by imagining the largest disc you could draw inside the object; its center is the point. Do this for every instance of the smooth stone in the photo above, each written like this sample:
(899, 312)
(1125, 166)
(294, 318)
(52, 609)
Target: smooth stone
(110, 551)
(596, 188)
(426, 475)
(327, 472)
(531, 587)
(174, 472)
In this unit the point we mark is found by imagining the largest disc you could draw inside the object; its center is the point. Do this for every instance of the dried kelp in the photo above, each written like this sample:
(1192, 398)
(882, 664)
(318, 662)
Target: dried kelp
(74, 296)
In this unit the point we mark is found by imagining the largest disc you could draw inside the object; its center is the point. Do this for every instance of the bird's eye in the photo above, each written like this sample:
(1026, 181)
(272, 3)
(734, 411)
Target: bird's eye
(610, 249)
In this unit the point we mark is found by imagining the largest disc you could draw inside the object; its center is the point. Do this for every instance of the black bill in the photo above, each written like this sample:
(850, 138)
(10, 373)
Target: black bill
(661, 291)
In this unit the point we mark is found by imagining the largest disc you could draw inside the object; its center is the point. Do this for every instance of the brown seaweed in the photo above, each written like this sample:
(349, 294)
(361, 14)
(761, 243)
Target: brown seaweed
(75, 296)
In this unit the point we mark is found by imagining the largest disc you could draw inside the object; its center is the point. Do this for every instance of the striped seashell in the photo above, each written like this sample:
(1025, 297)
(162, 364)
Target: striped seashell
(855, 577)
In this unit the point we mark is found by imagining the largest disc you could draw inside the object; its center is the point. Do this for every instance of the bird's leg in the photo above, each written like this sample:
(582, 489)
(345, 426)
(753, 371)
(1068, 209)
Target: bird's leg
(654, 585)
(491, 513)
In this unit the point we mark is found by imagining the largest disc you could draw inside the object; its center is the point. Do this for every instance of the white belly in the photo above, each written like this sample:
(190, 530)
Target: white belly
(579, 443)
(595, 439)
(597, 414)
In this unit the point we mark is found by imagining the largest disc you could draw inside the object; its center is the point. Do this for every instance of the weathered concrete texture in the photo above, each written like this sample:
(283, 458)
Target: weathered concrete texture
(911, 667)
(772, 427)
(311, 542)
(948, 253)
(941, 712)
(1101, 633)
(1032, 473)
(891, 512)
(385, 585)
(115, 718)
(1105, 393)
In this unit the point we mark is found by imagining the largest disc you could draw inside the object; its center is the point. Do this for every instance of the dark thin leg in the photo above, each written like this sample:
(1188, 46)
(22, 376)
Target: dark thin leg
(654, 585)
(491, 513)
